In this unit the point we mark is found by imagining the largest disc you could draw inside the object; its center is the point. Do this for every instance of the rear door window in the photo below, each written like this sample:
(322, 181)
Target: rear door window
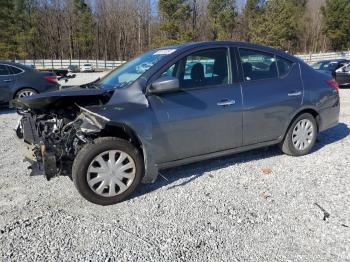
(284, 66)
(4, 71)
(258, 65)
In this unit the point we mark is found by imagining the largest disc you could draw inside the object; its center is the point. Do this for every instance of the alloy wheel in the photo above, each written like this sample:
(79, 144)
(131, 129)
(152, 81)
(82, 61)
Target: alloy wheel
(25, 93)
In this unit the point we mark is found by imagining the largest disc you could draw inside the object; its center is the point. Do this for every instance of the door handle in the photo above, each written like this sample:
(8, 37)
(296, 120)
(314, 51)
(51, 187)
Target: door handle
(295, 93)
(226, 102)
(7, 80)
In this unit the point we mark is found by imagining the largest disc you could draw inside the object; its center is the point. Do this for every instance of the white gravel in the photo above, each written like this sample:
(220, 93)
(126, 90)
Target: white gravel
(227, 209)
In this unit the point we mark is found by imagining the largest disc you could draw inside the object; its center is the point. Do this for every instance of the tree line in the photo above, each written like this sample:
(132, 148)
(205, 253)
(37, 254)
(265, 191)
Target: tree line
(121, 29)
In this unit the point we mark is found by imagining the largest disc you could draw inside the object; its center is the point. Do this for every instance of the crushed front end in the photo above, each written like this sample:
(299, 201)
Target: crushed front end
(52, 141)
(53, 129)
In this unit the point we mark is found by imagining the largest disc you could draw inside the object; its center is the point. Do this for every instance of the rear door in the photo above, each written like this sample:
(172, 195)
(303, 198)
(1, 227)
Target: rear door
(6, 83)
(205, 116)
(272, 92)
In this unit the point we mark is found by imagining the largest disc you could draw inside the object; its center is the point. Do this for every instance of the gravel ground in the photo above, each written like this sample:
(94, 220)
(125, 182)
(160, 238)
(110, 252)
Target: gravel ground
(255, 206)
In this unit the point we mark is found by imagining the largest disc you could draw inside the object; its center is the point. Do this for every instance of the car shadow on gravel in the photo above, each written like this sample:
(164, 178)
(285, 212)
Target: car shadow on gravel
(191, 172)
(331, 136)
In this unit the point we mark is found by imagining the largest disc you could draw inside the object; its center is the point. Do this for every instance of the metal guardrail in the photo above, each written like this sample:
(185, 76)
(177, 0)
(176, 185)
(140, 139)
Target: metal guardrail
(59, 64)
(313, 58)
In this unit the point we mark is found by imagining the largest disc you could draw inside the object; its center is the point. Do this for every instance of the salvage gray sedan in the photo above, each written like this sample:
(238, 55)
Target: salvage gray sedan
(173, 106)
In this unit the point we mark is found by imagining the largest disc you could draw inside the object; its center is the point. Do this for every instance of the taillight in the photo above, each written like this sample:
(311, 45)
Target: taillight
(52, 79)
(333, 84)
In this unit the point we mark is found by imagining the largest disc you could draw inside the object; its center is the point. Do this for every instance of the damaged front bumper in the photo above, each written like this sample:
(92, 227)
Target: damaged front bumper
(42, 161)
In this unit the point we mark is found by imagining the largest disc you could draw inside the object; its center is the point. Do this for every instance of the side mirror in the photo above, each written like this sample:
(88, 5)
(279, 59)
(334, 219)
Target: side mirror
(164, 84)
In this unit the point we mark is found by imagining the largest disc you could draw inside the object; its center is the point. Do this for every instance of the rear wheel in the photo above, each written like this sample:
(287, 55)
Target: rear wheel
(301, 136)
(25, 92)
(107, 171)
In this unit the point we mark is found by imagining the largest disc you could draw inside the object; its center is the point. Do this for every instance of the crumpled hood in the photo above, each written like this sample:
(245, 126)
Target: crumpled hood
(98, 99)
(44, 100)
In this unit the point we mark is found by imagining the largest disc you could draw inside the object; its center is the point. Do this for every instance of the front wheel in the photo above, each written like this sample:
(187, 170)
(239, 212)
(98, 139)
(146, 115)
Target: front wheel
(301, 136)
(107, 171)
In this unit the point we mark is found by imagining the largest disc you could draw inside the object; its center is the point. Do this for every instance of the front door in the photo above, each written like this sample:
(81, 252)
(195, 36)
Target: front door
(6, 82)
(205, 116)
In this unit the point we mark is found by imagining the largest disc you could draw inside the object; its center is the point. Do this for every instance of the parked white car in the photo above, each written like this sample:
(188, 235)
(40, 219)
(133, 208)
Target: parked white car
(87, 68)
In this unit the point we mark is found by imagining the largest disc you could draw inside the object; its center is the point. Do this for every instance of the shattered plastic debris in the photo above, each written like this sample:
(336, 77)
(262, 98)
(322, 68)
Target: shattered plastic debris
(265, 195)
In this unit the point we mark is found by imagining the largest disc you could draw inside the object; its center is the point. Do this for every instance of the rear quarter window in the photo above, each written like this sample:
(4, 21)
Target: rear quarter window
(15, 70)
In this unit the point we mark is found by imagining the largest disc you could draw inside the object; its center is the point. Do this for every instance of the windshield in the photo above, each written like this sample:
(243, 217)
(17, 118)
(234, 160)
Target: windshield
(325, 65)
(129, 72)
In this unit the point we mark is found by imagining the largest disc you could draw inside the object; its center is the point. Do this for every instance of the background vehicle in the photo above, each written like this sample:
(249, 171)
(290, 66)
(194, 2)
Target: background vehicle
(195, 101)
(330, 66)
(342, 75)
(87, 68)
(73, 69)
(17, 80)
(29, 65)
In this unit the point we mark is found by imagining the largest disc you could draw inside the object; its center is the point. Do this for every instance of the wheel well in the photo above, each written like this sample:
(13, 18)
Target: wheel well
(22, 88)
(313, 112)
(123, 132)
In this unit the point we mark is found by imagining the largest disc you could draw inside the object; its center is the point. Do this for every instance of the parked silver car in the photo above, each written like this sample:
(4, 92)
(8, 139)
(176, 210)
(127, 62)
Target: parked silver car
(87, 68)
(195, 101)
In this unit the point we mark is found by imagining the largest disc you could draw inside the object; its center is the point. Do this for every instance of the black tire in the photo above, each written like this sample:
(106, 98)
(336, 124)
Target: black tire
(287, 145)
(89, 152)
(17, 95)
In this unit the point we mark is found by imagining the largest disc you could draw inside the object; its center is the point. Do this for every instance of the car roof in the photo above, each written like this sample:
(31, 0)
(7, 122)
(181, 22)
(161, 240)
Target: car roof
(213, 43)
(20, 66)
(189, 45)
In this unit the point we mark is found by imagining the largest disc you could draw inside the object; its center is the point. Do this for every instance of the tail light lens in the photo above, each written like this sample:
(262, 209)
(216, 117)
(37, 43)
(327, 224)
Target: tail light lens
(52, 79)
(332, 83)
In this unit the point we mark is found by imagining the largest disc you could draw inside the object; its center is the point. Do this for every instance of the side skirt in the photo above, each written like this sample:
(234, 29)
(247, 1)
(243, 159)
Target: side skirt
(218, 154)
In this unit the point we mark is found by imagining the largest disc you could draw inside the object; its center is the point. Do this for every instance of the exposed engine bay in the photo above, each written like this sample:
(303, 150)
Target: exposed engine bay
(55, 132)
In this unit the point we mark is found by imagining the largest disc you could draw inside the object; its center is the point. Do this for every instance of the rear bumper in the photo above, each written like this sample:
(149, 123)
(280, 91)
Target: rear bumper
(329, 117)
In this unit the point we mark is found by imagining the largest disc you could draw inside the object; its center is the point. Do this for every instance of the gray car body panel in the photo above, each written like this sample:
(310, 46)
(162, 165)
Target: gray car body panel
(29, 78)
(187, 126)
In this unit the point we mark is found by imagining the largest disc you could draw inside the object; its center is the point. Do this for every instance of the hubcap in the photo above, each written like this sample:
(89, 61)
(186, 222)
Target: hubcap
(25, 93)
(111, 173)
(303, 134)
